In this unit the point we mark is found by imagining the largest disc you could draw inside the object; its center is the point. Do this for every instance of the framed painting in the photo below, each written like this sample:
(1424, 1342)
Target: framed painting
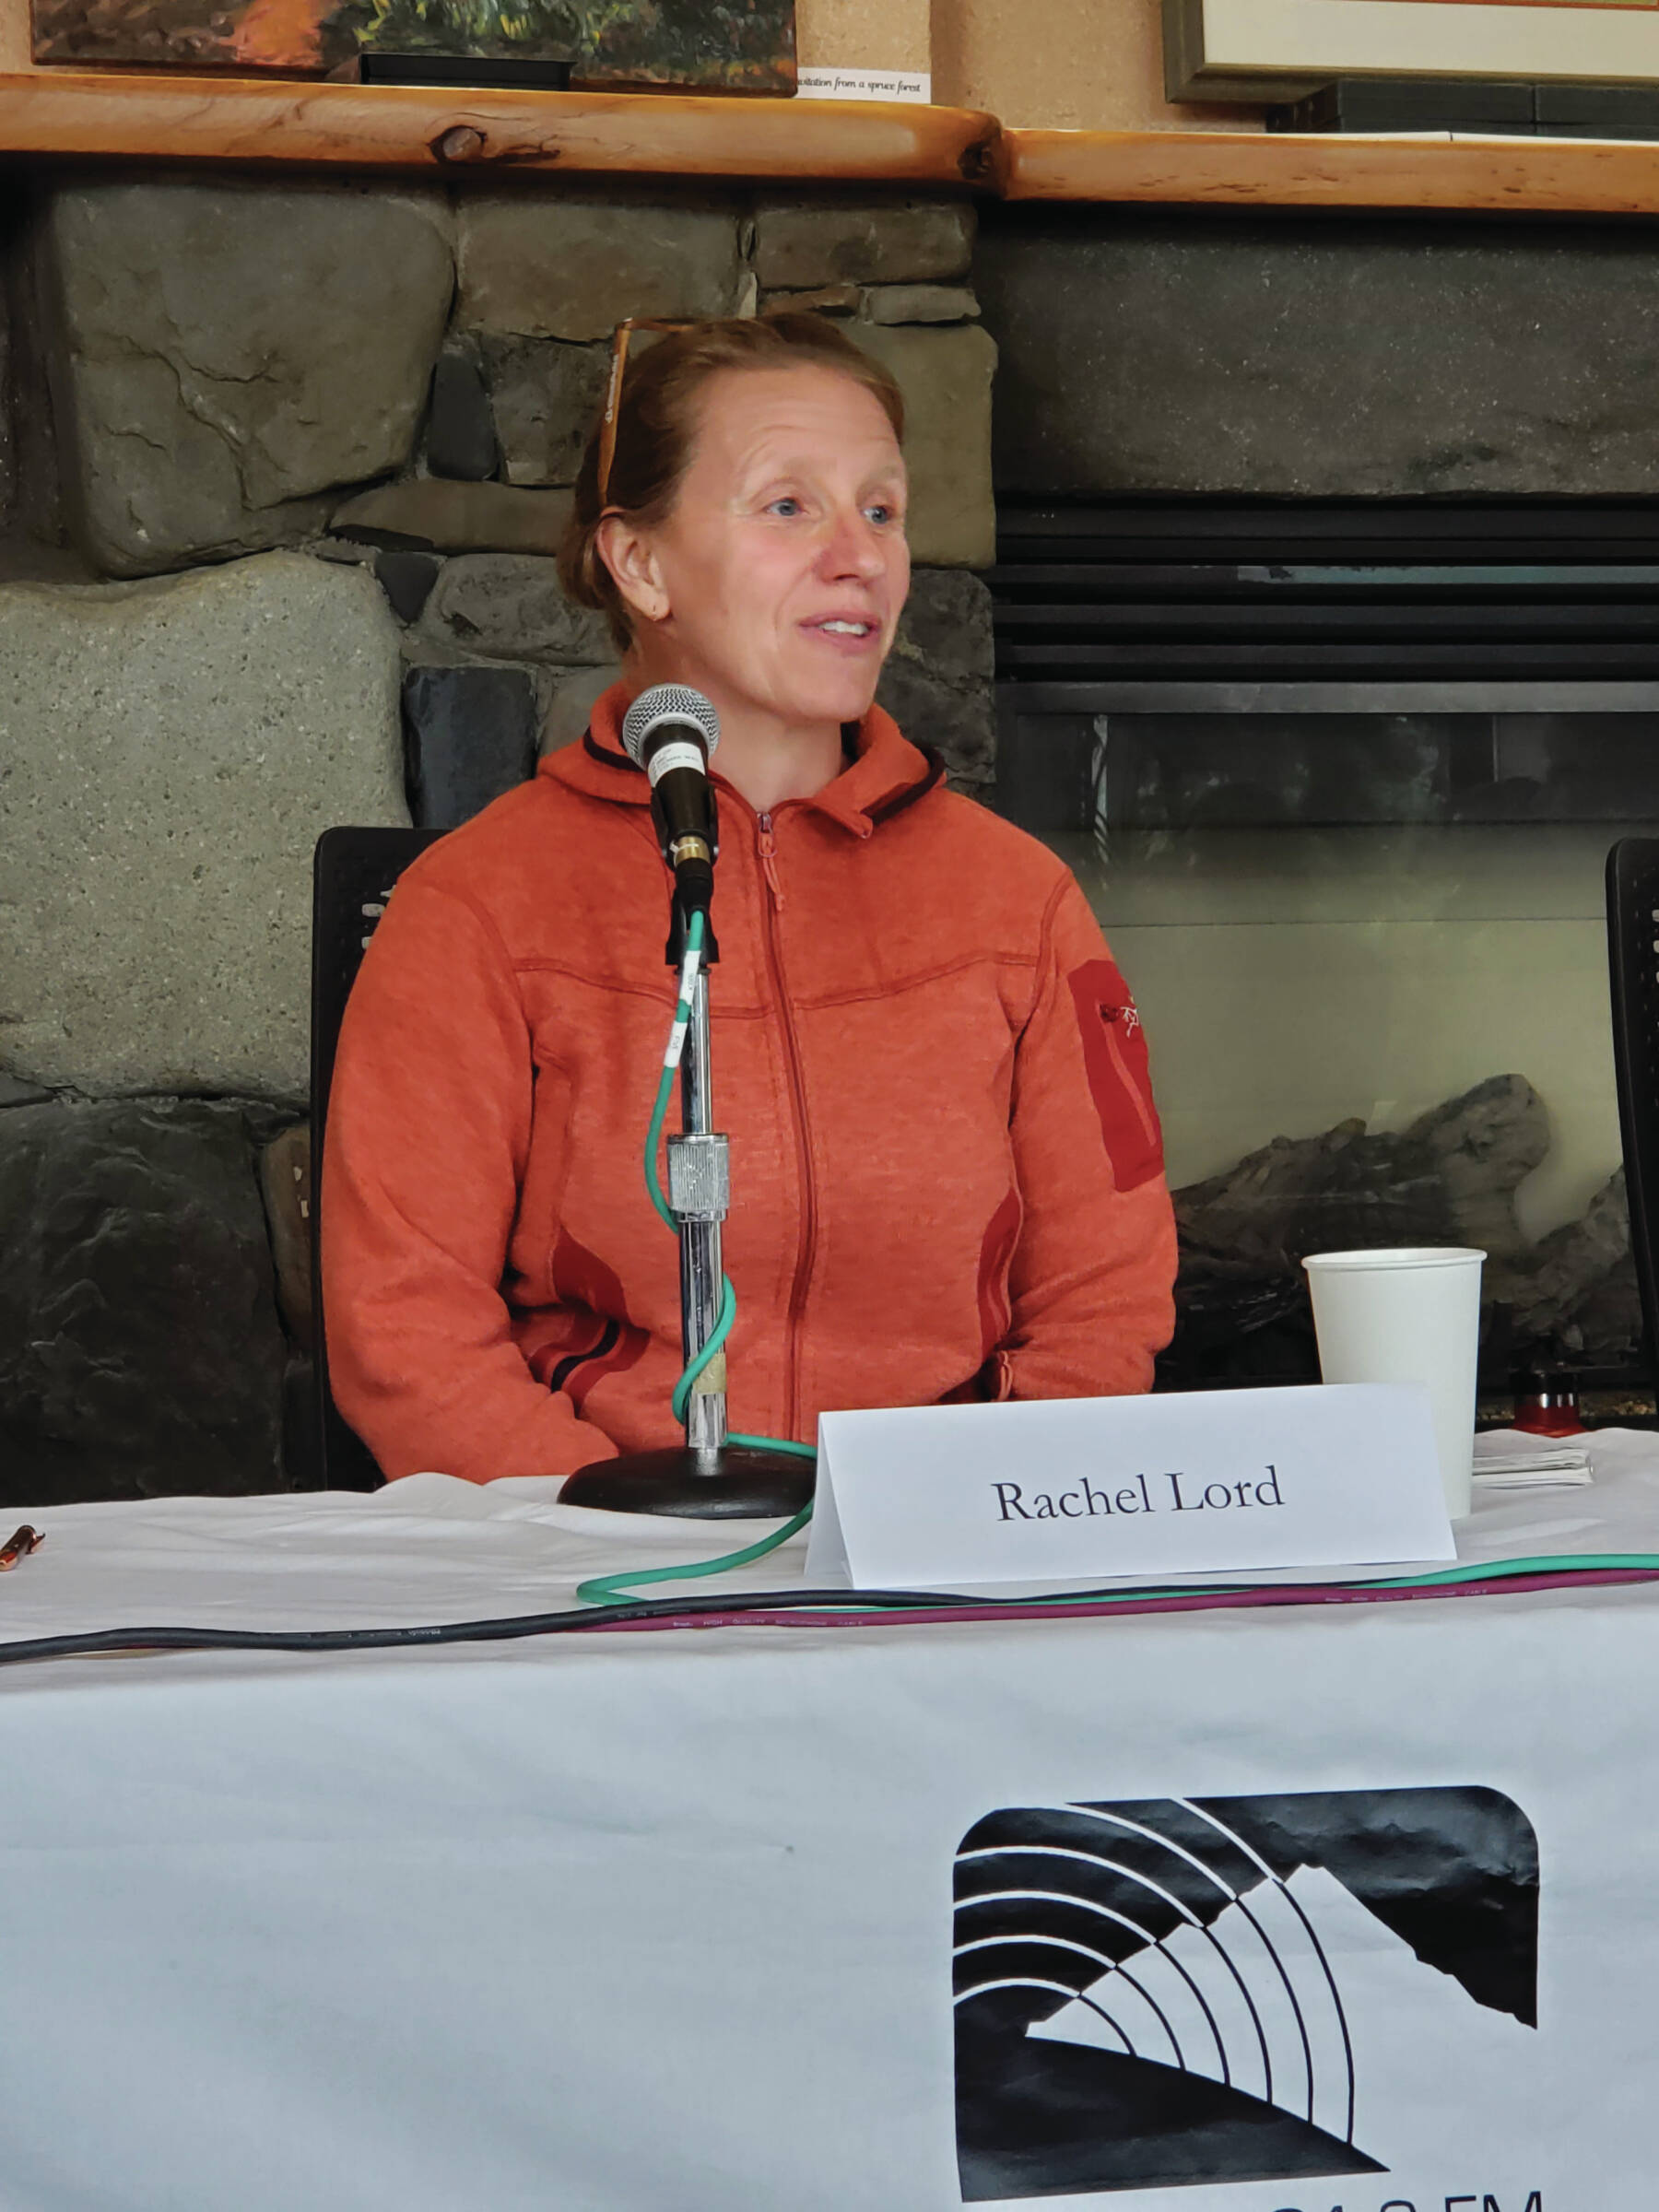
(702, 45)
(1267, 50)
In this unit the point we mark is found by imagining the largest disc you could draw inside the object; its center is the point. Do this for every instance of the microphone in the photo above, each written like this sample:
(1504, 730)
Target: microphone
(671, 732)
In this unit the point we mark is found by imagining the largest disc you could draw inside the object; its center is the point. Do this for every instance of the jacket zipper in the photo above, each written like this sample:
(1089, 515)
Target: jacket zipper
(1121, 1061)
(768, 846)
(770, 907)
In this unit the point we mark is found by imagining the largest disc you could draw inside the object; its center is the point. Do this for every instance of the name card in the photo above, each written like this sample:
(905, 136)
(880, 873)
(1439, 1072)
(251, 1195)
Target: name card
(1064, 1490)
(914, 85)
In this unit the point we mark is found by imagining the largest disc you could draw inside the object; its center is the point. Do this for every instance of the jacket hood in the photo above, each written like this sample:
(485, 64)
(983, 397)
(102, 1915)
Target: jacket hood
(887, 773)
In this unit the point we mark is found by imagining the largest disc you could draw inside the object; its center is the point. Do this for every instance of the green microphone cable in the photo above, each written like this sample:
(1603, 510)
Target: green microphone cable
(608, 1589)
(818, 1608)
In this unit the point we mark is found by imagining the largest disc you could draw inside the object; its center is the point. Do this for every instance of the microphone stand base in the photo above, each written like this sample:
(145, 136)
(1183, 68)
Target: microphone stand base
(735, 1483)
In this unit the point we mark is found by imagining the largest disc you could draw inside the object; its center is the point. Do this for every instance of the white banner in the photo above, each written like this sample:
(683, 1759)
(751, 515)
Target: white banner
(1281, 1912)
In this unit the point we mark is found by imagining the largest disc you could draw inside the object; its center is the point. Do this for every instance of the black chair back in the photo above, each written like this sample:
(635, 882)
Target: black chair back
(352, 877)
(1633, 965)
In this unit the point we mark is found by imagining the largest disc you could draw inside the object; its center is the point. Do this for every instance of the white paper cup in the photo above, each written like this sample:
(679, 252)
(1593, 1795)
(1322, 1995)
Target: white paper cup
(1411, 1315)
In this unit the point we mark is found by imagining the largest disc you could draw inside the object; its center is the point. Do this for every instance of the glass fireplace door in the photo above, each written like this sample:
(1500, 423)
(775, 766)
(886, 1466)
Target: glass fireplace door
(1365, 927)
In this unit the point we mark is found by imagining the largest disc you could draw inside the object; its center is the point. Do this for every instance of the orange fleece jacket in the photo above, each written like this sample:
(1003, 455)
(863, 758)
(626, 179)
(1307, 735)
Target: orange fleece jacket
(947, 1171)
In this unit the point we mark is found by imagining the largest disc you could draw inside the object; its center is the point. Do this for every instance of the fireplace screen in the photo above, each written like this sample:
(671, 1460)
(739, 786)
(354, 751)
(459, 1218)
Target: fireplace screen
(1364, 922)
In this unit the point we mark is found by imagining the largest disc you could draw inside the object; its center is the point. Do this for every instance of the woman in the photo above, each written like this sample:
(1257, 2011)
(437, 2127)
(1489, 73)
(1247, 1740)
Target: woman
(947, 1171)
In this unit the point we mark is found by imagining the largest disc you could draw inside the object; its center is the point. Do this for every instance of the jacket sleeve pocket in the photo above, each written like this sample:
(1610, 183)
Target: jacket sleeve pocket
(1120, 1077)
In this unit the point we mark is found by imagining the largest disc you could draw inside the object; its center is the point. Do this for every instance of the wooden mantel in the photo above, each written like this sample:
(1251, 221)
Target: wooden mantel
(266, 121)
(408, 127)
(1260, 169)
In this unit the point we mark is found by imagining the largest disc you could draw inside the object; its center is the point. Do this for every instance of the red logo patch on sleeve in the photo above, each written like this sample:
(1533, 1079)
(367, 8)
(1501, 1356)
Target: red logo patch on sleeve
(1120, 1080)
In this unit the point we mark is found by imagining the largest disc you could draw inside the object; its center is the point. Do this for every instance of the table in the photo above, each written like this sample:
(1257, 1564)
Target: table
(664, 1919)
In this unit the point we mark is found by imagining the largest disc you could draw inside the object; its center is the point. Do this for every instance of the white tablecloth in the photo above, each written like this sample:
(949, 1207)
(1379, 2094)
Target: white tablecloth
(431, 1548)
(665, 1918)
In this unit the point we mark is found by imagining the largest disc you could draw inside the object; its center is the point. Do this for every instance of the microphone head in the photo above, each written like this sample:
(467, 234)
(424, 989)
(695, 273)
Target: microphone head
(668, 706)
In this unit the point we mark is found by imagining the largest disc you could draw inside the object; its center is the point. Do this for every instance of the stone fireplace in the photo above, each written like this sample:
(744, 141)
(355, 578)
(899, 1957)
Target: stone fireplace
(283, 465)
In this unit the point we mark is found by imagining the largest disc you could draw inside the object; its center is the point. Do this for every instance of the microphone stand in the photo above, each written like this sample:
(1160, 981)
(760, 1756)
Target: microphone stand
(707, 1478)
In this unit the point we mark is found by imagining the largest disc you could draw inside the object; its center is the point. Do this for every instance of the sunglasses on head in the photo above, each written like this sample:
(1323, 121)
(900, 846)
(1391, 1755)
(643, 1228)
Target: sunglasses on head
(613, 390)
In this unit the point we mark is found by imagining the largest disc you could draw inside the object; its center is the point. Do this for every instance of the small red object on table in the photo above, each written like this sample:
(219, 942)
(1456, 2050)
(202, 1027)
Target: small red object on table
(18, 1545)
(1546, 1405)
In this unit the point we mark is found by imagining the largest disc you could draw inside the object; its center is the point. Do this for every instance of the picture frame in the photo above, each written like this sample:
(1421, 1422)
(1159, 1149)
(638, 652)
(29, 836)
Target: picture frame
(683, 45)
(1256, 50)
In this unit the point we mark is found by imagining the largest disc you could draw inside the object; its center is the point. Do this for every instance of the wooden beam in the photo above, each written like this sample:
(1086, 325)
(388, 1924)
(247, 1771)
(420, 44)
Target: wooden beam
(153, 117)
(1246, 169)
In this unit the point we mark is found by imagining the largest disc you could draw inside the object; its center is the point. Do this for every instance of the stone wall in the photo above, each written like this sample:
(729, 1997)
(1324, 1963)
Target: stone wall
(283, 470)
(1145, 354)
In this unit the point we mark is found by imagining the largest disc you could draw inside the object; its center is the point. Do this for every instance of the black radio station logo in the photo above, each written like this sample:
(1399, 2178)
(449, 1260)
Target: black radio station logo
(1160, 1992)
